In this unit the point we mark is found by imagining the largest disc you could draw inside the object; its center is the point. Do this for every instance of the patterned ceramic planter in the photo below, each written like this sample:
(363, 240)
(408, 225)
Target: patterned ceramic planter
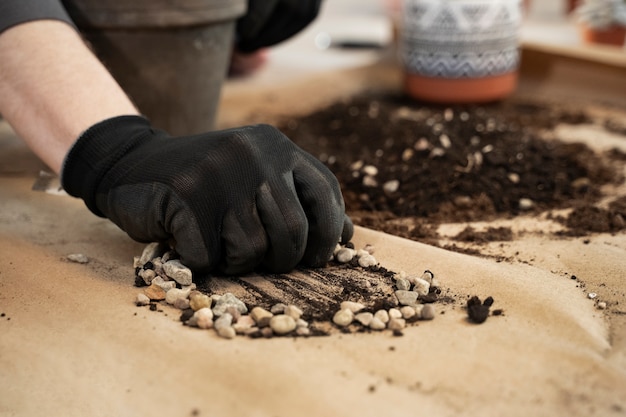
(460, 51)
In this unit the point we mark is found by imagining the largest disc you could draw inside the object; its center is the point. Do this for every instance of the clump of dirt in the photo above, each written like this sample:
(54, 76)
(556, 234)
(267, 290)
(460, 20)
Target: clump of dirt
(397, 159)
(589, 218)
(492, 234)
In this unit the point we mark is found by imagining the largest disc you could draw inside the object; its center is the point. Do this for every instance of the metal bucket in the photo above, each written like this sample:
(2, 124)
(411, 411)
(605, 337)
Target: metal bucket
(170, 56)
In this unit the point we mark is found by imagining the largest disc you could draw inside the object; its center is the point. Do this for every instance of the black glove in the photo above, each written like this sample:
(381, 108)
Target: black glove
(269, 22)
(234, 199)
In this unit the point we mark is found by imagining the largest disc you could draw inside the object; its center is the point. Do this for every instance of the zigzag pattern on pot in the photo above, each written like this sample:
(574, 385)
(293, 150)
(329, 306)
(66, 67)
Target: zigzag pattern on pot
(457, 39)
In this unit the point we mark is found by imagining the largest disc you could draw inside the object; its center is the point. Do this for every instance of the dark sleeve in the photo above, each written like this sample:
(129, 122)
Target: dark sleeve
(14, 12)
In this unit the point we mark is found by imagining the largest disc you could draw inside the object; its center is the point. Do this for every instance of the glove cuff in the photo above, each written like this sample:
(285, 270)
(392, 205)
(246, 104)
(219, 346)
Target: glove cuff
(97, 150)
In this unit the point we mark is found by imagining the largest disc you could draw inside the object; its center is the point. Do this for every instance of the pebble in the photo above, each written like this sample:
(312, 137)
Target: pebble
(391, 186)
(367, 261)
(526, 203)
(147, 275)
(394, 313)
(79, 258)
(278, 308)
(592, 295)
(382, 315)
(233, 311)
(369, 248)
(151, 251)
(369, 181)
(352, 306)
(364, 318)
(225, 320)
(302, 323)
(181, 303)
(421, 286)
(345, 255)
(197, 300)
(227, 332)
(428, 312)
(408, 312)
(293, 311)
(267, 332)
(396, 324)
(370, 170)
(406, 298)
(428, 276)
(261, 316)
(166, 285)
(601, 305)
(142, 300)
(418, 310)
(178, 272)
(403, 284)
(282, 324)
(174, 294)
(303, 331)
(155, 293)
(343, 317)
(203, 318)
(244, 324)
(228, 300)
(377, 324)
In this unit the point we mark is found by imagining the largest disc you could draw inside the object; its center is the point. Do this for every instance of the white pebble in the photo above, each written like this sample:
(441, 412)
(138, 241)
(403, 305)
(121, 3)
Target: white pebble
(408, 312)
(345, 255)
(592, 295)
(601, 305)
(396, 324)
(369, 248)
(278, 308)
(445, 141)
(382, 315)
(174, 293)
(142, 299)
(293, 311)
(165, 285)
(78, 258)
(303, 331)
(427, 276)
(302, 323)
(178, 272)
(403, 284)
(367, 261)
(243, 324)
(151, 251)
(394, 313)
(370, 170)
(203, 318)
(352, 306)
(147, 275)
(364, 318)
(369, 181)
(421, 286)
(343, 317)
(406, 298)
(282, 324)
(526, 203)
(225, 320)
(377, 324)
(227, 332)
(391, 186)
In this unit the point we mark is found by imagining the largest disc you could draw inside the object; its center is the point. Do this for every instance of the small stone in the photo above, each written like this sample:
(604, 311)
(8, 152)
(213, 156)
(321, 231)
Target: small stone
(166, 285)
(227, 332)
(396, 324)
(151, 251)
(303, 331)
(407, 312)
(352, 306)
(174, 294)
(197, 300)
(345, 255)
(282, 324)
(601, 305)
(142, 300)
(343, 317)
(418, 310)
(228, 300)
(147, 275)
(137, 262)
(428, 276)
(293, 311)
(370, 170)
(391, 186)
(243, 324)
(302, 323)
(434, 283)
(181, 303)
(377, 324)
(428, 312)
(369, 248)
(526, 203)
(421, 286)
(233, 311)
(261, 316)
(178, 272)
(403, 284)
(369, 181)
(278, 308)
(382, 315)
(79, 258)
(338, 247)
(155, 293)
(592, 295)
(364, 318)
(203, 318)
(394, 313)
(367, 261)
(225, 320)
(406, 298)
(267, 332)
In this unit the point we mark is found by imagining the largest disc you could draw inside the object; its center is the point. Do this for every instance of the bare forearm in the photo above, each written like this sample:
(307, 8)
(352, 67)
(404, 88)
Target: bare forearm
(52, 88)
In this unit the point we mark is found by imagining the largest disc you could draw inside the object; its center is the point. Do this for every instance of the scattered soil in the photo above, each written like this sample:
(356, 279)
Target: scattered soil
(452, 164)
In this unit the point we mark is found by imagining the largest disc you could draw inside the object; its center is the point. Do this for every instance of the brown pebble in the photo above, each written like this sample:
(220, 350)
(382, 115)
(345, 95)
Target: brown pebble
(154, 292)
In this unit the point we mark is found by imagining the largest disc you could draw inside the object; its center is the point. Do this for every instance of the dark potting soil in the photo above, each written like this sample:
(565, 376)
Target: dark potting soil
(454, 164)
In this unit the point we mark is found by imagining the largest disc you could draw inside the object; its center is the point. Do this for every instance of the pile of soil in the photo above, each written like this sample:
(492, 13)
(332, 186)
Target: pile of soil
(435, 164)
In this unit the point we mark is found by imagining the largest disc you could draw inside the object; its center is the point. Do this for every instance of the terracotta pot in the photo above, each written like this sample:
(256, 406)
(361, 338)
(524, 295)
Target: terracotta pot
(614, 35)
(461, 51)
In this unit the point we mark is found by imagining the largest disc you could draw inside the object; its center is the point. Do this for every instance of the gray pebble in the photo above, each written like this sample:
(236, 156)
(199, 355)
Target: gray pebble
(228, 300)
(396, 324)
(343, 317)
(151, 251)
(78, 258)
(147, 275)
(227, 332)
(408, 312)
(282, 324)
(406, 298)
(261, 316)
(178, 272)
(225, 320)
(403, 284)
(174, 294)
(428, 312)
(165, 285)
(394, 313)
(233, 312)
(181, 303)
(382, 315)
(421, 286)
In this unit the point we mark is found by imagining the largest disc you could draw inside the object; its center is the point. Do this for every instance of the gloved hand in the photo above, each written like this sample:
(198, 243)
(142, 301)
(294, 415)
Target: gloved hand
(268, 22)
(233, 199)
